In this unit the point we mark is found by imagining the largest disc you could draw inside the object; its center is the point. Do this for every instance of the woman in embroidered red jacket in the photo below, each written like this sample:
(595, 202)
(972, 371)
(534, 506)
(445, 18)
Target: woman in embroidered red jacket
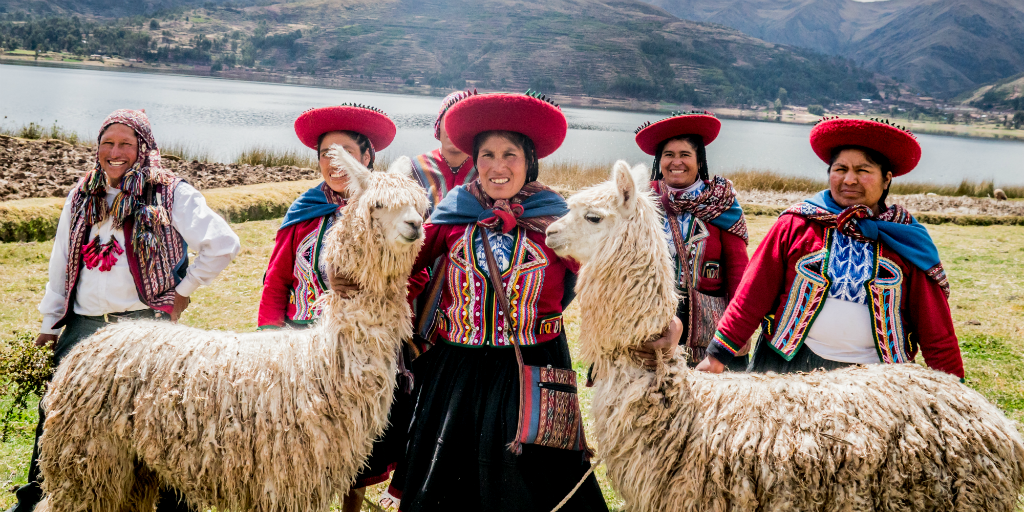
(467, 396)
(704, 221)
(842, 279)
(296, 277)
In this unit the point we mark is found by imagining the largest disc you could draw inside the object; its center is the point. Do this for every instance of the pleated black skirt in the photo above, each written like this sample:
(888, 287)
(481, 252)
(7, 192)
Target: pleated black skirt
(467, 408)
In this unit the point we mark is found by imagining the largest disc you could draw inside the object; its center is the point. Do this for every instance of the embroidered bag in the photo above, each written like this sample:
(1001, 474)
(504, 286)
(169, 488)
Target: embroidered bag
(549, 408)
(703, 310)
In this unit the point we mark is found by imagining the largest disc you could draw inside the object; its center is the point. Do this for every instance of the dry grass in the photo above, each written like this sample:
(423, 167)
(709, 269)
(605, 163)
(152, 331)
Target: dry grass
(984, 265)
(38, 131)
(269, 157)
(574, 176)
(186, 151)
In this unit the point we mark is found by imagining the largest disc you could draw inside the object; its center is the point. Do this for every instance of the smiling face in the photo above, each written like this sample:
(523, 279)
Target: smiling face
(679, 163)
(118, 152)
(855, 179)
(501, 165)
(335, 178)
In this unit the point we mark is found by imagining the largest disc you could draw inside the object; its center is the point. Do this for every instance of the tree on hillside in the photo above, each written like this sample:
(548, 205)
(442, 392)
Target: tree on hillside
(1018, 119)
(783, 96)
(778, 106)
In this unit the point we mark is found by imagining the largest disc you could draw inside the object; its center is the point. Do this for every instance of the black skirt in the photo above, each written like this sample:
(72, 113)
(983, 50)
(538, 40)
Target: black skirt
(467, 409)
(765, 359)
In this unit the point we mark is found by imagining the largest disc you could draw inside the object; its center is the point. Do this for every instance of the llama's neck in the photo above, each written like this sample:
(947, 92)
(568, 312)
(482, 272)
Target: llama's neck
(627, 291)
(377, 318)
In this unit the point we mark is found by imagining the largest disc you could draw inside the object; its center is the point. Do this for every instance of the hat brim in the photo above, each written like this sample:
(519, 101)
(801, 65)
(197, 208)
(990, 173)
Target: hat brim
(539, 120)
(900, 147)
(375, 126)
(694, 124)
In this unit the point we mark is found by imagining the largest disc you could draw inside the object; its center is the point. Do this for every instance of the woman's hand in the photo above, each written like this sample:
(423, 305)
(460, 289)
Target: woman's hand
(665, 345)
(341, 285)
(46, 340)
(711, 365)
(180, 303)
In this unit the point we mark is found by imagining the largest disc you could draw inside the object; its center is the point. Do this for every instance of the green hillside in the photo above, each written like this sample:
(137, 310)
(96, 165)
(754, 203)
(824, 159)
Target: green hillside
(623, 48)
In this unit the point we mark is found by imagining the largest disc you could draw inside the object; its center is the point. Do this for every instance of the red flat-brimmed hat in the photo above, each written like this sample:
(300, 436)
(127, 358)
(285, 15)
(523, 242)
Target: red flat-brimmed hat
(896, 143)
(530, 114)
(363, 119)
(695, 122)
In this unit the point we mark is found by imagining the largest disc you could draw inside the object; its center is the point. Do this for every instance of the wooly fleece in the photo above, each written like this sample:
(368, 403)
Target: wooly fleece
(867, 438)
(270, 421)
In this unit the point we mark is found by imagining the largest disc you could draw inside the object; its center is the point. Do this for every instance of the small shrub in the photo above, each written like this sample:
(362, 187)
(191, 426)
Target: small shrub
(24, 371)
(816, 110)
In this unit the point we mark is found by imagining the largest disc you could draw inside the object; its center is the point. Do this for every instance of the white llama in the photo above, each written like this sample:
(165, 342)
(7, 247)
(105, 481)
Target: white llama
(270, 421)
(878, 438)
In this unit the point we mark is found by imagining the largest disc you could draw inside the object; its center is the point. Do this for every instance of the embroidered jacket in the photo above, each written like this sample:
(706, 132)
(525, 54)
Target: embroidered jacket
(295, 276)
(787, 283)
(469, 313)
(433, 173)
(716, 257)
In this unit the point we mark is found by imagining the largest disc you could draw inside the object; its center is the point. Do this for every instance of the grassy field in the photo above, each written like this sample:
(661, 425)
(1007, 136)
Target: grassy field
(984, 266)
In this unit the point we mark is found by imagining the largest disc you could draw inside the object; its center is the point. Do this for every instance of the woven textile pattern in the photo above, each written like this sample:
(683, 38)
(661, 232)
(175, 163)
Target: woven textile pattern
(850, 266)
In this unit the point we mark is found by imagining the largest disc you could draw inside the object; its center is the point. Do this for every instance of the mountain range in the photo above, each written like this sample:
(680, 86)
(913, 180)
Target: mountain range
(944, 47)
(623, 48)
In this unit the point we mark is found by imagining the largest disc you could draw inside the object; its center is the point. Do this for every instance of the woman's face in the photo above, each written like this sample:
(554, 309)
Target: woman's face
(334, 178)
(679, 164)
(119, 149)
(853, 180)
(502, 167)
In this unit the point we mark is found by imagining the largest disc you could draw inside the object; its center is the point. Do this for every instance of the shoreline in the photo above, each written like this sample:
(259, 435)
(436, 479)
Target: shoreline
(796, 115)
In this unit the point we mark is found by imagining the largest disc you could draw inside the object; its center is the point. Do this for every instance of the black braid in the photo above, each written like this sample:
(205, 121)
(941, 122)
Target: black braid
(524, 143)
(698, 146)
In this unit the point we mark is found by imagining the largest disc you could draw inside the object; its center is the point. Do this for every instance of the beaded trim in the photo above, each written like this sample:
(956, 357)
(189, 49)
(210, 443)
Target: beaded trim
(677, 113)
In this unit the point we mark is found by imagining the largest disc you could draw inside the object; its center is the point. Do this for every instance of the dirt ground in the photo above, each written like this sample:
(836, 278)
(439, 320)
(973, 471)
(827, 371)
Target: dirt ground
(30, 168)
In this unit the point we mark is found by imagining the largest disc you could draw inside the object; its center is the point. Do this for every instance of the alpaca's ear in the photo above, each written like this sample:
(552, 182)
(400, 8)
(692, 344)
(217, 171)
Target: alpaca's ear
(624, 184)
(641, 176)
(358, 174)
(401, 167)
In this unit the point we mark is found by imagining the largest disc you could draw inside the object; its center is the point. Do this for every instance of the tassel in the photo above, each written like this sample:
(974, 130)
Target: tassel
(104, 256)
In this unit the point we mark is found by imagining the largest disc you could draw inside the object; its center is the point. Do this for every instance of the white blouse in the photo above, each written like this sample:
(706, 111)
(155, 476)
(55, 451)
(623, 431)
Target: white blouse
(207, 234)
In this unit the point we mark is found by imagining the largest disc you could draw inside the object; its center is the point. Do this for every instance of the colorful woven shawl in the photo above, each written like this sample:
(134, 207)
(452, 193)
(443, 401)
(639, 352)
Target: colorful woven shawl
(316, 202)
(895, 227)
(136, 200)
(716, 205)
(534, 208)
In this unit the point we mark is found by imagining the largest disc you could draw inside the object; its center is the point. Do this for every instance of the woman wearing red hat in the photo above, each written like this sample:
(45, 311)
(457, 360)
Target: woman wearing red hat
(465, 451)
(841, 278)
(296, 277)
(703, 220)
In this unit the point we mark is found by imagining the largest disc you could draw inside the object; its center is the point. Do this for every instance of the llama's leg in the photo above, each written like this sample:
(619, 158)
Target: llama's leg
(95, 475)
(144, 491)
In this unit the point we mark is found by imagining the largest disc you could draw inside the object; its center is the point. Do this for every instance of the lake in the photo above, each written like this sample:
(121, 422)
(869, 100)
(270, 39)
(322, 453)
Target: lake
(226, 116)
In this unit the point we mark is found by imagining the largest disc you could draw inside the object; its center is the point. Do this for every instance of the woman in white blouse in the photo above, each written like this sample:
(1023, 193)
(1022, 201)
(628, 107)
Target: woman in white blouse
(121, 252)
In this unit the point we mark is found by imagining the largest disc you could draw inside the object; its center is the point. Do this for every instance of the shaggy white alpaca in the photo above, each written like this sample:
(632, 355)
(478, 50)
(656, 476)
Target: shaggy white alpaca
(879, 437)
(271, 421)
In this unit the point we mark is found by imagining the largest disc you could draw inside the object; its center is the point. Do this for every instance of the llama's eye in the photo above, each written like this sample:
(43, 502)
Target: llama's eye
(378, 205)
(593, 218)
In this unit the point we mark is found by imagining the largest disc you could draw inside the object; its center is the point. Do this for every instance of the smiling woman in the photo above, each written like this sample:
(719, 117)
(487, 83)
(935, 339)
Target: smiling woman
(499, 318)
(704, 227)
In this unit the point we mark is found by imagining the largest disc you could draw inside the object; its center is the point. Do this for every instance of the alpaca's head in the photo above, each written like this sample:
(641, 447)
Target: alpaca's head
(626, 290)
(600, 214)
(381, 228)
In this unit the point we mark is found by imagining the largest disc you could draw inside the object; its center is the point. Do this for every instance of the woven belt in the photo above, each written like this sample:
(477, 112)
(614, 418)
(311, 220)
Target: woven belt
(112, 318)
